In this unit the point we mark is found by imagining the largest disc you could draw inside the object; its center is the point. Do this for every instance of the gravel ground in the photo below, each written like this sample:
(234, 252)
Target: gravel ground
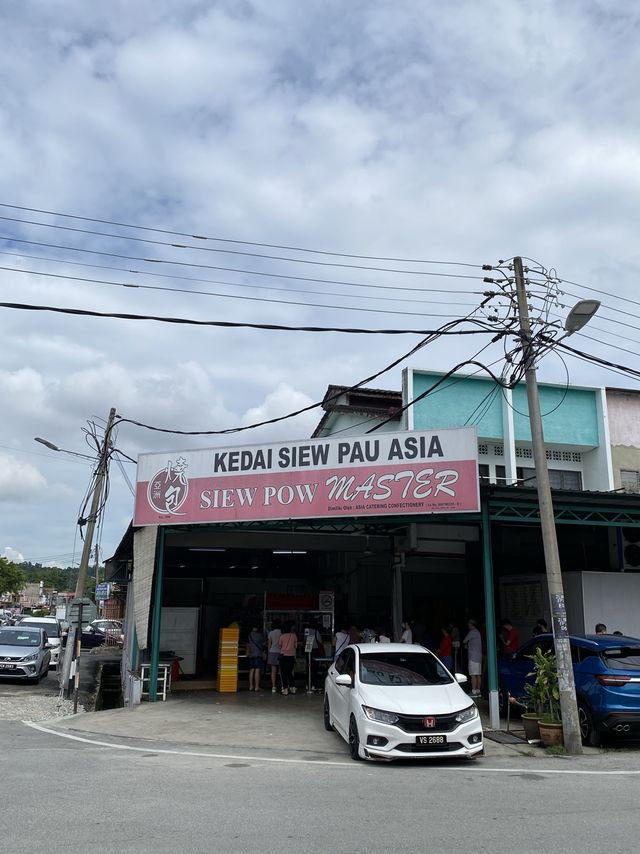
(19, 703)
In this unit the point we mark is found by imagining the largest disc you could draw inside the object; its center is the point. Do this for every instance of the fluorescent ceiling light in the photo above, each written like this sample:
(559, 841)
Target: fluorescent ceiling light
(207, 550)
(288, 552)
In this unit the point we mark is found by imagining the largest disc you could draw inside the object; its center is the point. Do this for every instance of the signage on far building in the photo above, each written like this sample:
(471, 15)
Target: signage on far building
(103, 590)
(404, 473)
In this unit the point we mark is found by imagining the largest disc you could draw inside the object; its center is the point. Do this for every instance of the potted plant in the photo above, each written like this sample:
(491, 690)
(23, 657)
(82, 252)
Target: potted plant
(546, 690)
(533, 701)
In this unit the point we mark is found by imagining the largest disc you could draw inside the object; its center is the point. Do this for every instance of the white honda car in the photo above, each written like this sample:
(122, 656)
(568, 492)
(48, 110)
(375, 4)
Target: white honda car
(398, 701)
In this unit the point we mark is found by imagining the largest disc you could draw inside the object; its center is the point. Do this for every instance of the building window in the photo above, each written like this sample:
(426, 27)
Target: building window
(501, 475)
(558, 478)
(483, 472)
(630, 480)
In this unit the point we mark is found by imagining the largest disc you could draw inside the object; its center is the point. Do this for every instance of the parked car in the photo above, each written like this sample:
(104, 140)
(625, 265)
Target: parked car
(24, 653)
(398, 701)
(54, 632)
(607, 676)
(97, 633)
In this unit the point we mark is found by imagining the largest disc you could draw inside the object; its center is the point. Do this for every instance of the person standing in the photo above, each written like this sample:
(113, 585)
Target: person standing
(288, 646)
(273, 652)
(601, 629)
(541, 627)
(473, 643)
(445, 650)
(407, 634)
(510, 637)
(256, 661)
(342, 640)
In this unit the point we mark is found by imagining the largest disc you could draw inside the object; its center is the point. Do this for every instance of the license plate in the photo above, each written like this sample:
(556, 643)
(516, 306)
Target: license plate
(431, 739)
(7, 666)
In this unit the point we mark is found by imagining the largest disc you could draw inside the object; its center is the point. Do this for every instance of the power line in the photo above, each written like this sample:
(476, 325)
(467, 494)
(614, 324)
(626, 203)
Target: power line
(239, 242)
(260, 286)
(431, 337)
(598, 361)
(597, 291)
(240, 325)
(240, 296)
(187, 264)
(166, 243)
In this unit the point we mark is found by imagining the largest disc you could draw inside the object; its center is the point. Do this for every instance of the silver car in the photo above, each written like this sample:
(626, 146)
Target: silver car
(24, 653)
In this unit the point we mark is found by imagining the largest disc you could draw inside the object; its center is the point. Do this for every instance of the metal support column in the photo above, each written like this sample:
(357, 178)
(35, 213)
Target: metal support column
(156, 618)
(490, 618)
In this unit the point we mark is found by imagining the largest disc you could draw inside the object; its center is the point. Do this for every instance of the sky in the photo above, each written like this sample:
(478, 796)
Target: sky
(461, 132)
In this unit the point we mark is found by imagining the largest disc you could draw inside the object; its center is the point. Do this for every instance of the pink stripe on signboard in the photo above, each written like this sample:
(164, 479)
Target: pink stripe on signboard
(170, 498)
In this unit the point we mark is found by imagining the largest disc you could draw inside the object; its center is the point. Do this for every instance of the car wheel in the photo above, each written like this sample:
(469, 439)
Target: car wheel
(590, 735)
(44, 673)
(35, 680)
(354, 740)
(327, 715)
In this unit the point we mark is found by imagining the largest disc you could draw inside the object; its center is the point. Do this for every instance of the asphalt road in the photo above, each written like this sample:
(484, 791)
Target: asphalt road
(142, 800)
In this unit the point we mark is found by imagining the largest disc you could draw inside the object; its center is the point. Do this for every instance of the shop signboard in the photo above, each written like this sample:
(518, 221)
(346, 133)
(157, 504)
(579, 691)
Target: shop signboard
(405, 473)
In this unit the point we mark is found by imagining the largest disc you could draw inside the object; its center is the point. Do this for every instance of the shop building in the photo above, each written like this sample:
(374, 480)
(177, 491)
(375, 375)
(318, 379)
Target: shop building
(484, 561)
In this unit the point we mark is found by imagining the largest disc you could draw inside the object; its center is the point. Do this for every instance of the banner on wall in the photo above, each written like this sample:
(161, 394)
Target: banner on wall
(411, 472)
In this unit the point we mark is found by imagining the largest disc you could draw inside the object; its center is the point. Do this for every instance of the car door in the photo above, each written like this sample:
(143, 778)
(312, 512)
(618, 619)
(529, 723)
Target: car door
(342, 696)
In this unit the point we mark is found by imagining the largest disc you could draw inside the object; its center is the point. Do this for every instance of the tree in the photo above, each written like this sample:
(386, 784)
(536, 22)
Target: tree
(12, 579)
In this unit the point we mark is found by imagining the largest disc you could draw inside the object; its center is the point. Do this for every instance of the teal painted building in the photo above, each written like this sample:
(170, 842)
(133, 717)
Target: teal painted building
(574, 420)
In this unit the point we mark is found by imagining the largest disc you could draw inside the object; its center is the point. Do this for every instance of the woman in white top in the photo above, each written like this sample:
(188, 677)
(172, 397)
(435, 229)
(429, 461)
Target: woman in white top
(407, 634)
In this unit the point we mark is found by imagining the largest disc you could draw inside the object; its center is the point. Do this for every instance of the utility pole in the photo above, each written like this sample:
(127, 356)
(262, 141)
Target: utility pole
(101, 471)
(71, 661)
(568, 703)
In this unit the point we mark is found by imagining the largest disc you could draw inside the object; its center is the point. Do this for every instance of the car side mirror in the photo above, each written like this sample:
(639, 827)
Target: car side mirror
(344, 679)
(461, 678)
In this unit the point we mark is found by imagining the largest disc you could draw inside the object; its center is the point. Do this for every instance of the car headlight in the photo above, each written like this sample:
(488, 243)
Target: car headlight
(380, 716)
(467, 714)
(32, 657)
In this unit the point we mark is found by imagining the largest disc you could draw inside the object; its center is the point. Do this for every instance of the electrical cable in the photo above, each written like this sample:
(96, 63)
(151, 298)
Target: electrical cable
(234, 325)
(598, 361)
(236, 296)
(225, 269)
(429, 339)
(260, 286)
(189, 246)
(238, 242)
(597, 291)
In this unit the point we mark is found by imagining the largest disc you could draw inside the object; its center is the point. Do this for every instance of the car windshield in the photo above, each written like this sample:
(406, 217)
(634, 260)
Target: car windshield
(50, 628)
(400, 668)
(623, 658)
(16, 637)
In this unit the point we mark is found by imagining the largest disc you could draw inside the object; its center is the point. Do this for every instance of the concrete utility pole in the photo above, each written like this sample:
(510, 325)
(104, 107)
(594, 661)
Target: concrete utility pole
(568, 703)
(101, 470)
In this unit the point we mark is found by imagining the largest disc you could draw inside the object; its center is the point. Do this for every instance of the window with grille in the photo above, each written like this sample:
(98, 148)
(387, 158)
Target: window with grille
(483, 472)
(483, 449)
(630, 480)
(558, 478)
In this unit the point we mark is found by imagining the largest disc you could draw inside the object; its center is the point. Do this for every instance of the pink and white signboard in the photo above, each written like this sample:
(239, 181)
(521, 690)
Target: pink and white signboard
(374, 475)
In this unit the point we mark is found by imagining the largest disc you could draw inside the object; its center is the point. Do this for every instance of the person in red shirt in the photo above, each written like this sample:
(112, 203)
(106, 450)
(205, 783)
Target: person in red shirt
(510, 638)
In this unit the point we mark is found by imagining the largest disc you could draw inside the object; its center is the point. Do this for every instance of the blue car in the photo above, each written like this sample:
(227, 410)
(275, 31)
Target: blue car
(607, 677)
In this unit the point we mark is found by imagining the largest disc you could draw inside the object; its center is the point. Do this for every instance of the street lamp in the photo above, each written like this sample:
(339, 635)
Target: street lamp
(53, 447)
(579, 315)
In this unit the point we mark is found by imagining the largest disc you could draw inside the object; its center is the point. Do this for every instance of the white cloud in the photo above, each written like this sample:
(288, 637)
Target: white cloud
(19, 481)
(12, 554)
(458, 131)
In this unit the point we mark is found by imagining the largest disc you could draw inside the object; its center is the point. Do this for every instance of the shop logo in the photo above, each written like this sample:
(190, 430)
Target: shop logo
(168, 489)
(429, 722)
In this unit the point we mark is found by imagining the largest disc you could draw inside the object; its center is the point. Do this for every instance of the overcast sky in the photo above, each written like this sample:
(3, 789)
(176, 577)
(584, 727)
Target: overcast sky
(457, 131)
